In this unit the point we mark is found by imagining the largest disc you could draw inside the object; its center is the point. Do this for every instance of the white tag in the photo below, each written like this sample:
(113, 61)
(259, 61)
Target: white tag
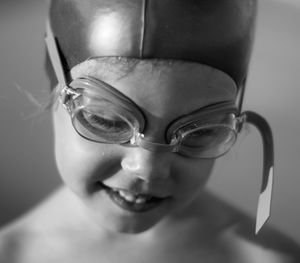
(264, 203)
(54, 56)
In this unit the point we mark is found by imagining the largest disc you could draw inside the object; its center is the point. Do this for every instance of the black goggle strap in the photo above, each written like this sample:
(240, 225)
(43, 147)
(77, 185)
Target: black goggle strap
(264, 201)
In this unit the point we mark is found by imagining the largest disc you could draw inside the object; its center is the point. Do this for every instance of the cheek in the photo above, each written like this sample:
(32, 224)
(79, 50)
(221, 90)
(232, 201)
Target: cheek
(191, 175)
(81, 163)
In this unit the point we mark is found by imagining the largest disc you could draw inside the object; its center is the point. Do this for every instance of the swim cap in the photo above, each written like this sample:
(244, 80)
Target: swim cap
(212, 32)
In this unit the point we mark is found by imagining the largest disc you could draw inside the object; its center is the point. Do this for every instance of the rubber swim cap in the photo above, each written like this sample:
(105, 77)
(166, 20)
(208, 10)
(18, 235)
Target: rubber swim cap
(213, 32)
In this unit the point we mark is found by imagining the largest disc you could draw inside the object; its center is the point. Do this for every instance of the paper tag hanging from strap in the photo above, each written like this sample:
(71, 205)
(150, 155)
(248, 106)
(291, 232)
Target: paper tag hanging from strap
(264, 203)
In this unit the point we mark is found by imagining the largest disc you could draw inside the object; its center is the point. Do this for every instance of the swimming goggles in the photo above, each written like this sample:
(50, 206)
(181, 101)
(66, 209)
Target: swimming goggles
(101, 113)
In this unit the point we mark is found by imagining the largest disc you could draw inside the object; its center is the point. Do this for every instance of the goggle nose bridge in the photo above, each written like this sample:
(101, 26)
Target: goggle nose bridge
(138, 139)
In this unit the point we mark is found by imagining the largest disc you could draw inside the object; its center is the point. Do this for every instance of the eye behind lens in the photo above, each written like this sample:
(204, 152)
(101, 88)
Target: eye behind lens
(214, 146)
(102, 128)
(206, 137)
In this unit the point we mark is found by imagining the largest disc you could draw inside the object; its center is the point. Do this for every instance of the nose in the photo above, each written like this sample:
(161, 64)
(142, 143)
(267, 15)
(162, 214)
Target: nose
(146, 165)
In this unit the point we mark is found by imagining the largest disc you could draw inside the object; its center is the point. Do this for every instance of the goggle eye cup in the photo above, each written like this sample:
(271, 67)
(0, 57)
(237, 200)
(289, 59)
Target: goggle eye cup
(200, 139)
(93, 126)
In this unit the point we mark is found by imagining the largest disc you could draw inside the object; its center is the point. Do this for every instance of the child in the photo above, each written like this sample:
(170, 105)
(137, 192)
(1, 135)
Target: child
(149, 95)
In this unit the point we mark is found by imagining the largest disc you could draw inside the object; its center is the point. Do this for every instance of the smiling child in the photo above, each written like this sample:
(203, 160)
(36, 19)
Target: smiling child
(149, 95)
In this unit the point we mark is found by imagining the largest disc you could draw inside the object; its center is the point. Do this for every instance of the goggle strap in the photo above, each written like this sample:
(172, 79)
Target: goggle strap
(52, 49)
(265, 197)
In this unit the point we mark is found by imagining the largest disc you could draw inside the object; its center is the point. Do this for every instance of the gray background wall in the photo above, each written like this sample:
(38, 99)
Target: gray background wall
(27, 168)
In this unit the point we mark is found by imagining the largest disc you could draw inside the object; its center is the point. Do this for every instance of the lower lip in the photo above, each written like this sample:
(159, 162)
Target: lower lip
(132, 206)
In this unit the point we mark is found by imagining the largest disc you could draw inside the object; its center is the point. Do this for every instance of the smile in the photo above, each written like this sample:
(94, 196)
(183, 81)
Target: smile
(131, 202)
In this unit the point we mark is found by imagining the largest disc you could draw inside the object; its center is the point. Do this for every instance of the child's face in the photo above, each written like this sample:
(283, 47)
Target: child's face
(92, 170)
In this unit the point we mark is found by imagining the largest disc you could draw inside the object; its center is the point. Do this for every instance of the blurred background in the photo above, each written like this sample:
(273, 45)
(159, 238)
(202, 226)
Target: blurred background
(27, 167)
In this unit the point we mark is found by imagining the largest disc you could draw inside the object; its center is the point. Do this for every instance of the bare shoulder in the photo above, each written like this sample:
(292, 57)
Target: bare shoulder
(269, 245)
(238, 230)
(31, 237)
(21, 242)
(13, 239)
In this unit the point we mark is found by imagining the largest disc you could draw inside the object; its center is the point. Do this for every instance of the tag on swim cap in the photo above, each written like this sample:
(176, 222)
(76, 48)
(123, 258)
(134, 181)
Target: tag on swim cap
(54, 55)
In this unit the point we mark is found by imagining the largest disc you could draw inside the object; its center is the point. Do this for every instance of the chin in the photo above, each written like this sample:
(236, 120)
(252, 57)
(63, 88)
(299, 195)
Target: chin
(130, 227)
(130, 224)
(107, 215)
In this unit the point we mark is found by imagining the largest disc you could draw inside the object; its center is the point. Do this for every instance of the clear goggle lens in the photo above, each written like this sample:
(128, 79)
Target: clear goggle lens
(208, 140)
(102, 125)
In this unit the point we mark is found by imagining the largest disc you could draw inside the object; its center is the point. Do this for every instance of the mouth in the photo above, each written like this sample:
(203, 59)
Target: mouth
(136, 203)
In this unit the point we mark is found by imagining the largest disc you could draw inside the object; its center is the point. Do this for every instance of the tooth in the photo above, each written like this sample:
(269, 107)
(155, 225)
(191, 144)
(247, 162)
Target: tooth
(141, 200)
(127, 196)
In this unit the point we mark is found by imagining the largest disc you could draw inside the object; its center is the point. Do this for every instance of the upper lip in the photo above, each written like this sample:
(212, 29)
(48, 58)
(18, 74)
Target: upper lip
(135, 191)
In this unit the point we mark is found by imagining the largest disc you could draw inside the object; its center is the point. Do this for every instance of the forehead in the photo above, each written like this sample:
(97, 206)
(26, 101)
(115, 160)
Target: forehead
(160, 86)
